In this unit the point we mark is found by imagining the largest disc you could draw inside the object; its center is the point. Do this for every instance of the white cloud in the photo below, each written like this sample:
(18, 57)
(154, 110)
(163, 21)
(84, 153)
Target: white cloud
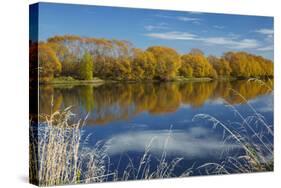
(217, 40)
(269, 38)
(245, 43)
(182, 18)
(266, 48)
(187, 19)
(156, 27)
(233, 35)
(227, 41)
(173, 35)
(232, 43)
(265, 31)
(218, 26)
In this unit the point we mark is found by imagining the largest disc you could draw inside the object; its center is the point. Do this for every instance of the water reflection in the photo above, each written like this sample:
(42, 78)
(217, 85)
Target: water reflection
(201, 142)
(120, 101)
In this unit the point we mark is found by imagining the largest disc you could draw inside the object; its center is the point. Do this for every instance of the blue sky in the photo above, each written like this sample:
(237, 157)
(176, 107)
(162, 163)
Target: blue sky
(212, 33)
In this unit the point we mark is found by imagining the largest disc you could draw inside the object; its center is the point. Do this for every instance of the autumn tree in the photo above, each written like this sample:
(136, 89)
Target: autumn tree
(266, 66)
(143, 65)
(245, 65)
(119, 60)
(220, 65)
(68, 59)
(185, 69)
(196, 51)
(199, 64)
(86, 67)
(49, 65)
(136, 65)
(121, 69)
(167, 62)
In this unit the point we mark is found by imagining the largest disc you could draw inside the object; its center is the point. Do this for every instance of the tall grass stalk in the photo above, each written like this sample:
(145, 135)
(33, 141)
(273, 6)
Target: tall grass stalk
(164, 168)
(58, 157)
(258, 149)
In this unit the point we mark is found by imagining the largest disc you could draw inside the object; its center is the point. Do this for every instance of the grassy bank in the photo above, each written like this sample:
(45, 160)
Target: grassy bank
(71, 80)
(192, 79)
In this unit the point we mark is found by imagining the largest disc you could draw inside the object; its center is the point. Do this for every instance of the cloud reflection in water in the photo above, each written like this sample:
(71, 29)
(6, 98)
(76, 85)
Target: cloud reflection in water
(196, 142)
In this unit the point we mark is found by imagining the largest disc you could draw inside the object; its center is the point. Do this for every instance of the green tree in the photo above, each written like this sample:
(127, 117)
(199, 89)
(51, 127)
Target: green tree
(86, 67)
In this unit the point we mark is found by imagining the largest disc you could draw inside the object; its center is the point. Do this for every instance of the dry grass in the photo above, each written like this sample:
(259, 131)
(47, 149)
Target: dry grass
(55, 154)
(164, 168)
(252, 133)
(57, 157)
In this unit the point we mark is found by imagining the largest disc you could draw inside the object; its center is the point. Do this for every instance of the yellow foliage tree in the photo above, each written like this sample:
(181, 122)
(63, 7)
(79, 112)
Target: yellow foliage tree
(221, 66)
(143, 65)
(199, 63)
(49, 65)
(167, 62)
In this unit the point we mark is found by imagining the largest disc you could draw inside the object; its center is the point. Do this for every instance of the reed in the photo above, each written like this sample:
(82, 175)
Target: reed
(164, 168)
(57, 156)
(257, 143)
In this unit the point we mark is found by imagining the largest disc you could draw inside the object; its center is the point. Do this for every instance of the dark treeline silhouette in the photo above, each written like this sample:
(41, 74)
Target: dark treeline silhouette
(84, 58)
(155, 98)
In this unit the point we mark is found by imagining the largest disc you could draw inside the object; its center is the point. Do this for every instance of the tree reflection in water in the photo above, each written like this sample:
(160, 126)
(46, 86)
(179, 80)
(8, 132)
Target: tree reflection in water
(111, 102)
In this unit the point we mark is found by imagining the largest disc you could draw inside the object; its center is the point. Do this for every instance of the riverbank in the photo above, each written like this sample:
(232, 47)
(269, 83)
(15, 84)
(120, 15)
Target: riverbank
(72, 81)
(97, 81)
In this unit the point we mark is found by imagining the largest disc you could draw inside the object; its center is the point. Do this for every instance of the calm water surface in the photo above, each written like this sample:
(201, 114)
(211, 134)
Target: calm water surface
(129, 117)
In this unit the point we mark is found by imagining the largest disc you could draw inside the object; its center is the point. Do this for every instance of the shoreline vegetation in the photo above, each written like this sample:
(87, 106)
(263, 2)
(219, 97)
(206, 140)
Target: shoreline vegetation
(74, 59)
(98, 81)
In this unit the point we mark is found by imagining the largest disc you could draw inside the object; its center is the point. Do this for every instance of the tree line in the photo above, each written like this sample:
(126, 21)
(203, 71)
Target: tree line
(84, 58)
